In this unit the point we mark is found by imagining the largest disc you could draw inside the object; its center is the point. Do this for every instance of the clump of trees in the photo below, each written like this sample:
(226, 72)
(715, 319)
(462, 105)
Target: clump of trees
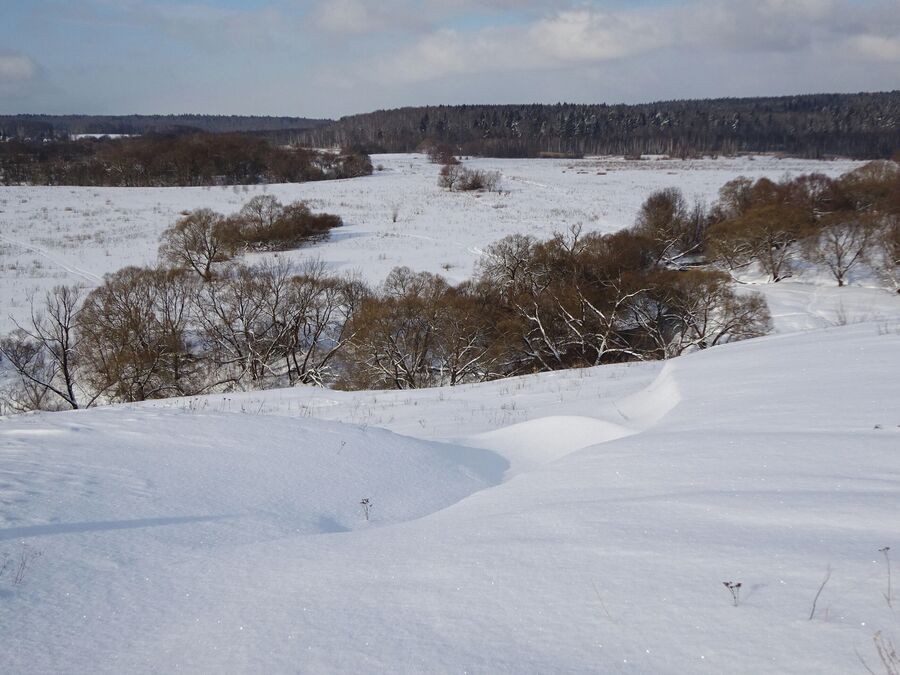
(148, 333)
(833, 224)
(574, 300)
(200, 322)
(583, 300)
(171, 160)
(264, 224)
(417, 330)
(203, 238)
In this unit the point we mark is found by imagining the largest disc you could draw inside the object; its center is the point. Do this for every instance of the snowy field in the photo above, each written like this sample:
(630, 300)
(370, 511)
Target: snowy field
(53, 235)
(572, 522)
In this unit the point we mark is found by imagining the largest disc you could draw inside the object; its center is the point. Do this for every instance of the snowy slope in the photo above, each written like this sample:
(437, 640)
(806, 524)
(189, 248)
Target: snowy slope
(199, 539)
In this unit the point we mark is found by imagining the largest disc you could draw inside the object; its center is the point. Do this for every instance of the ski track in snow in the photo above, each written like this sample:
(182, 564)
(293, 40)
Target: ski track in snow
(71, 269)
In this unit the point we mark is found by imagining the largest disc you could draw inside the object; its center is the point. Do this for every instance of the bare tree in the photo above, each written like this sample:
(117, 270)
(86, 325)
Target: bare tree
(675, 230)
(319, 310)
(395, 332)
(195, 242)
(450, 176)
(886, 250)
(45, 355)
(240, 320)
(262, 211)
(507, 264)
(134, 335)
(471, 343)
(697, 309)
(842, 242)
(763, 234)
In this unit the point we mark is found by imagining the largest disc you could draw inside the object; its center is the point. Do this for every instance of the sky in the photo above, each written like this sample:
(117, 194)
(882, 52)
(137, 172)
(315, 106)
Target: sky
(327, 58)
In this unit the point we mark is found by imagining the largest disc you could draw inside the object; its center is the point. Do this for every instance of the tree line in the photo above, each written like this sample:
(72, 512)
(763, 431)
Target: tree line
(772, 228)
(202, 321)
(863, 125)
(50, 127)
(160, 160)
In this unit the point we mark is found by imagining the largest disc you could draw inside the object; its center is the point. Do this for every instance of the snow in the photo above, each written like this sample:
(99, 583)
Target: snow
(53, 235)
(575, 521)
(184, 536)
(797, 306)
(535, 442)
(78, 137)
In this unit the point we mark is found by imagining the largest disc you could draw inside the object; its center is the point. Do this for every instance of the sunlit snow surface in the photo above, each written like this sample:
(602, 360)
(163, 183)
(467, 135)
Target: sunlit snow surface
(579, 521)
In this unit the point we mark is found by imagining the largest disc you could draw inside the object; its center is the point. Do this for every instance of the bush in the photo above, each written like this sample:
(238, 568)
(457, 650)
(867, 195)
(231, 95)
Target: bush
(441, 154)
(264, 224)
(456, 178)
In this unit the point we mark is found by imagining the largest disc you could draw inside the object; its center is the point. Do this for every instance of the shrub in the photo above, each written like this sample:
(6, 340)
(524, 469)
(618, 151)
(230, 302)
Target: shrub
(264, 224)
(441, 153)
(456, 178)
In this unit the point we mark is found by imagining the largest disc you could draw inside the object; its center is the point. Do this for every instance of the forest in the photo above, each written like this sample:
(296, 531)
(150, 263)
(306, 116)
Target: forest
(865, 126)
(162, 160)
(48, 127)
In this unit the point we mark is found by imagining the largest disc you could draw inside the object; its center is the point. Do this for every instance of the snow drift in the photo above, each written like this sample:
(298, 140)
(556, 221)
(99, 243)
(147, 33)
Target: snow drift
(195, 540)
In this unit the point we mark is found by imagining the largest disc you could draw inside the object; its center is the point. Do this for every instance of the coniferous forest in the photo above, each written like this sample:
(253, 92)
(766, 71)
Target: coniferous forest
(856, 125)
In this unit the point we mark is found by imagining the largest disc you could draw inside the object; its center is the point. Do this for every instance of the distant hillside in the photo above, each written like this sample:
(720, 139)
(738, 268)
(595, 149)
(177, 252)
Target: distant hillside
(55, 126)
(865, 125)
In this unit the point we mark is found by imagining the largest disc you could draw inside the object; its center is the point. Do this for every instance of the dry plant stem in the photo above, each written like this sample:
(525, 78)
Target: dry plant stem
(602, 604)
(735, 589)
(887, 559)
(812, 611)
(888, 654)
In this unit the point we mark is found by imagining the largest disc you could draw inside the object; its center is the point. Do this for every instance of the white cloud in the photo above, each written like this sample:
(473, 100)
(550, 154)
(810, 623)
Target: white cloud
(807, 8)
(360, 17)
(565, 38)
(17, 68)
(347, 16)
(219, 27)
(587, 36)
(215, 27)
(877, 47)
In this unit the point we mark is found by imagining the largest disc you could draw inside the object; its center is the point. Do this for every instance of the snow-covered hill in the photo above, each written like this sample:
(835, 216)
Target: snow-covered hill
(570, 522)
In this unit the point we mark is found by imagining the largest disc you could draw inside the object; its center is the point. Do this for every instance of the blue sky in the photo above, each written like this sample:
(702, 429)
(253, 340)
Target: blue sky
(326, 58)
